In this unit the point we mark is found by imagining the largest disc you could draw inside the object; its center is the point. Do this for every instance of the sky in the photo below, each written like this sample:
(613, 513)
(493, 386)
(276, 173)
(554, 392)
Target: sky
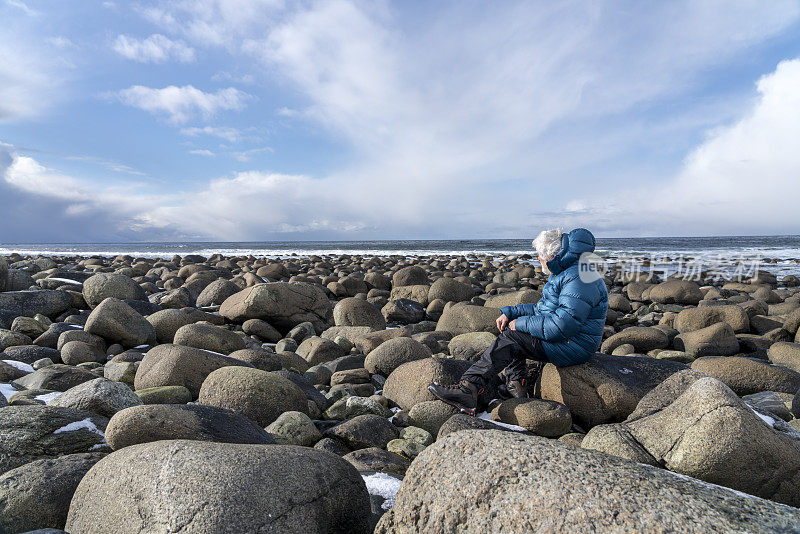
(249, 120)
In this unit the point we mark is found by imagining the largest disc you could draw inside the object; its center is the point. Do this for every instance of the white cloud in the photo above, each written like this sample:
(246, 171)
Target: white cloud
(179, 104)
(21, 6)
(154, 49)
(108, 164)
(254, 204)
(214, 22)
(231, 135)
(60, 42)
(457, 123)
(202, 152)
(31, 75)
(743, 179)
(247, 155)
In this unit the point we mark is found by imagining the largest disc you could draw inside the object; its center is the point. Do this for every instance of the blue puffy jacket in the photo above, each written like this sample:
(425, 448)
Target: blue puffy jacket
(570, 316)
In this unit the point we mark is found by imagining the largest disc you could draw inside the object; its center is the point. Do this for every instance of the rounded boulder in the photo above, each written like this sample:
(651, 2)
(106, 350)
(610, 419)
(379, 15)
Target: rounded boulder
(257, 394)
(196, 486)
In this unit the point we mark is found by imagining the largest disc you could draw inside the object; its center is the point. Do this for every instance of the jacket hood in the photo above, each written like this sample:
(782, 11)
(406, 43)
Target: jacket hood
(573, 244)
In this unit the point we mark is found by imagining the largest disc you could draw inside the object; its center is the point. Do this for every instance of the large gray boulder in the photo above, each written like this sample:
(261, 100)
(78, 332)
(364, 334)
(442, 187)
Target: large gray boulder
(56, 377)
(316, 350)
(786, 354)
(177, 365)
(216, 292)
(410, 276)
(9, 338)
(450, 290)
(37, 495)
(470, 346)
(116, 322)
(746, 376)
(709, 433)
(167, 322)
(462, 318)
(101, 396)
(34, 432)
(676, 292)
(643, 339)
(393, 353)
(541, 417)
(48, 302)
(353, 311)
(197, 486)
(532, 484)
(260, 395)
(209, 337)
(364, 431)
(718, 339)
(282, 304)
(30, 353)
(692, 319)
(408, 384)
(153, 422)
(606, 388)
(100, 286)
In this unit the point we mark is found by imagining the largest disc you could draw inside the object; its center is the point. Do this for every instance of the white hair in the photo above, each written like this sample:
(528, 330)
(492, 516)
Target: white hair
(548, 243)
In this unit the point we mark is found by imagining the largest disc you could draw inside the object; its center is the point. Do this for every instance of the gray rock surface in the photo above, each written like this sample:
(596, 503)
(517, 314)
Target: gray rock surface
(117, 322)
(142, 424)
(177, 365)
(606, 388)
(256, 394)
(35, 432)
(748, 375)
(195, 486)
(209, 337)
(462, 318)
(408, 384)
(48, 302)
(709, 433)
(282, 304)
(393, 353)
(101, 396)
(524, 481)
(100, 286)
(37, 495)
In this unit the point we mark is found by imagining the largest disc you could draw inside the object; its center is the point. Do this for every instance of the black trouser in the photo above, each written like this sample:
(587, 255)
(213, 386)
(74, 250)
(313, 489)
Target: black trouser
(509, 351)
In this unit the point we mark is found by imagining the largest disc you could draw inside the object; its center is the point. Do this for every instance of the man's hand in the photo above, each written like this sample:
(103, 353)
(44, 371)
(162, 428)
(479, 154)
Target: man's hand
(502, 322)
(513, 325)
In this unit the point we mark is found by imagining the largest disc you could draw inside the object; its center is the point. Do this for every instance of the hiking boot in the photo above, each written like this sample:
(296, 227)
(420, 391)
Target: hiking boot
(463, 395)
(513, 389)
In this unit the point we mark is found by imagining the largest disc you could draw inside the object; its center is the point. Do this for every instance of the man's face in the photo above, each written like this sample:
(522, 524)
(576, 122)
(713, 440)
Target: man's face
(544, 266)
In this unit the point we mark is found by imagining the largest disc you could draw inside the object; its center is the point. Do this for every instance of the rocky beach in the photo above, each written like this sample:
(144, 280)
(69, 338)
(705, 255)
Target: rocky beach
(242, 393)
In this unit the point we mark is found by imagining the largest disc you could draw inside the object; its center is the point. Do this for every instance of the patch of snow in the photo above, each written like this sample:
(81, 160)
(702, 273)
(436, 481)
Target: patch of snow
(79, 425)
(625, 371)
(486, 417)
(767, 419)
(22, 366)
(66, 281)
(396, 409)
(97, 446)
(47, 398)
(7, 390)
(384, 486)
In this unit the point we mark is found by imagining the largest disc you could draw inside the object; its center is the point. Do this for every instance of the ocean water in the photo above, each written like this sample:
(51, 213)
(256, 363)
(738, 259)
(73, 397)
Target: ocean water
(773, 253)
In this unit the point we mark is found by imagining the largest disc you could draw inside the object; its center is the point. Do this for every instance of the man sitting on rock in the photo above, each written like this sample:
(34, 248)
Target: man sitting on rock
(564, 328)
